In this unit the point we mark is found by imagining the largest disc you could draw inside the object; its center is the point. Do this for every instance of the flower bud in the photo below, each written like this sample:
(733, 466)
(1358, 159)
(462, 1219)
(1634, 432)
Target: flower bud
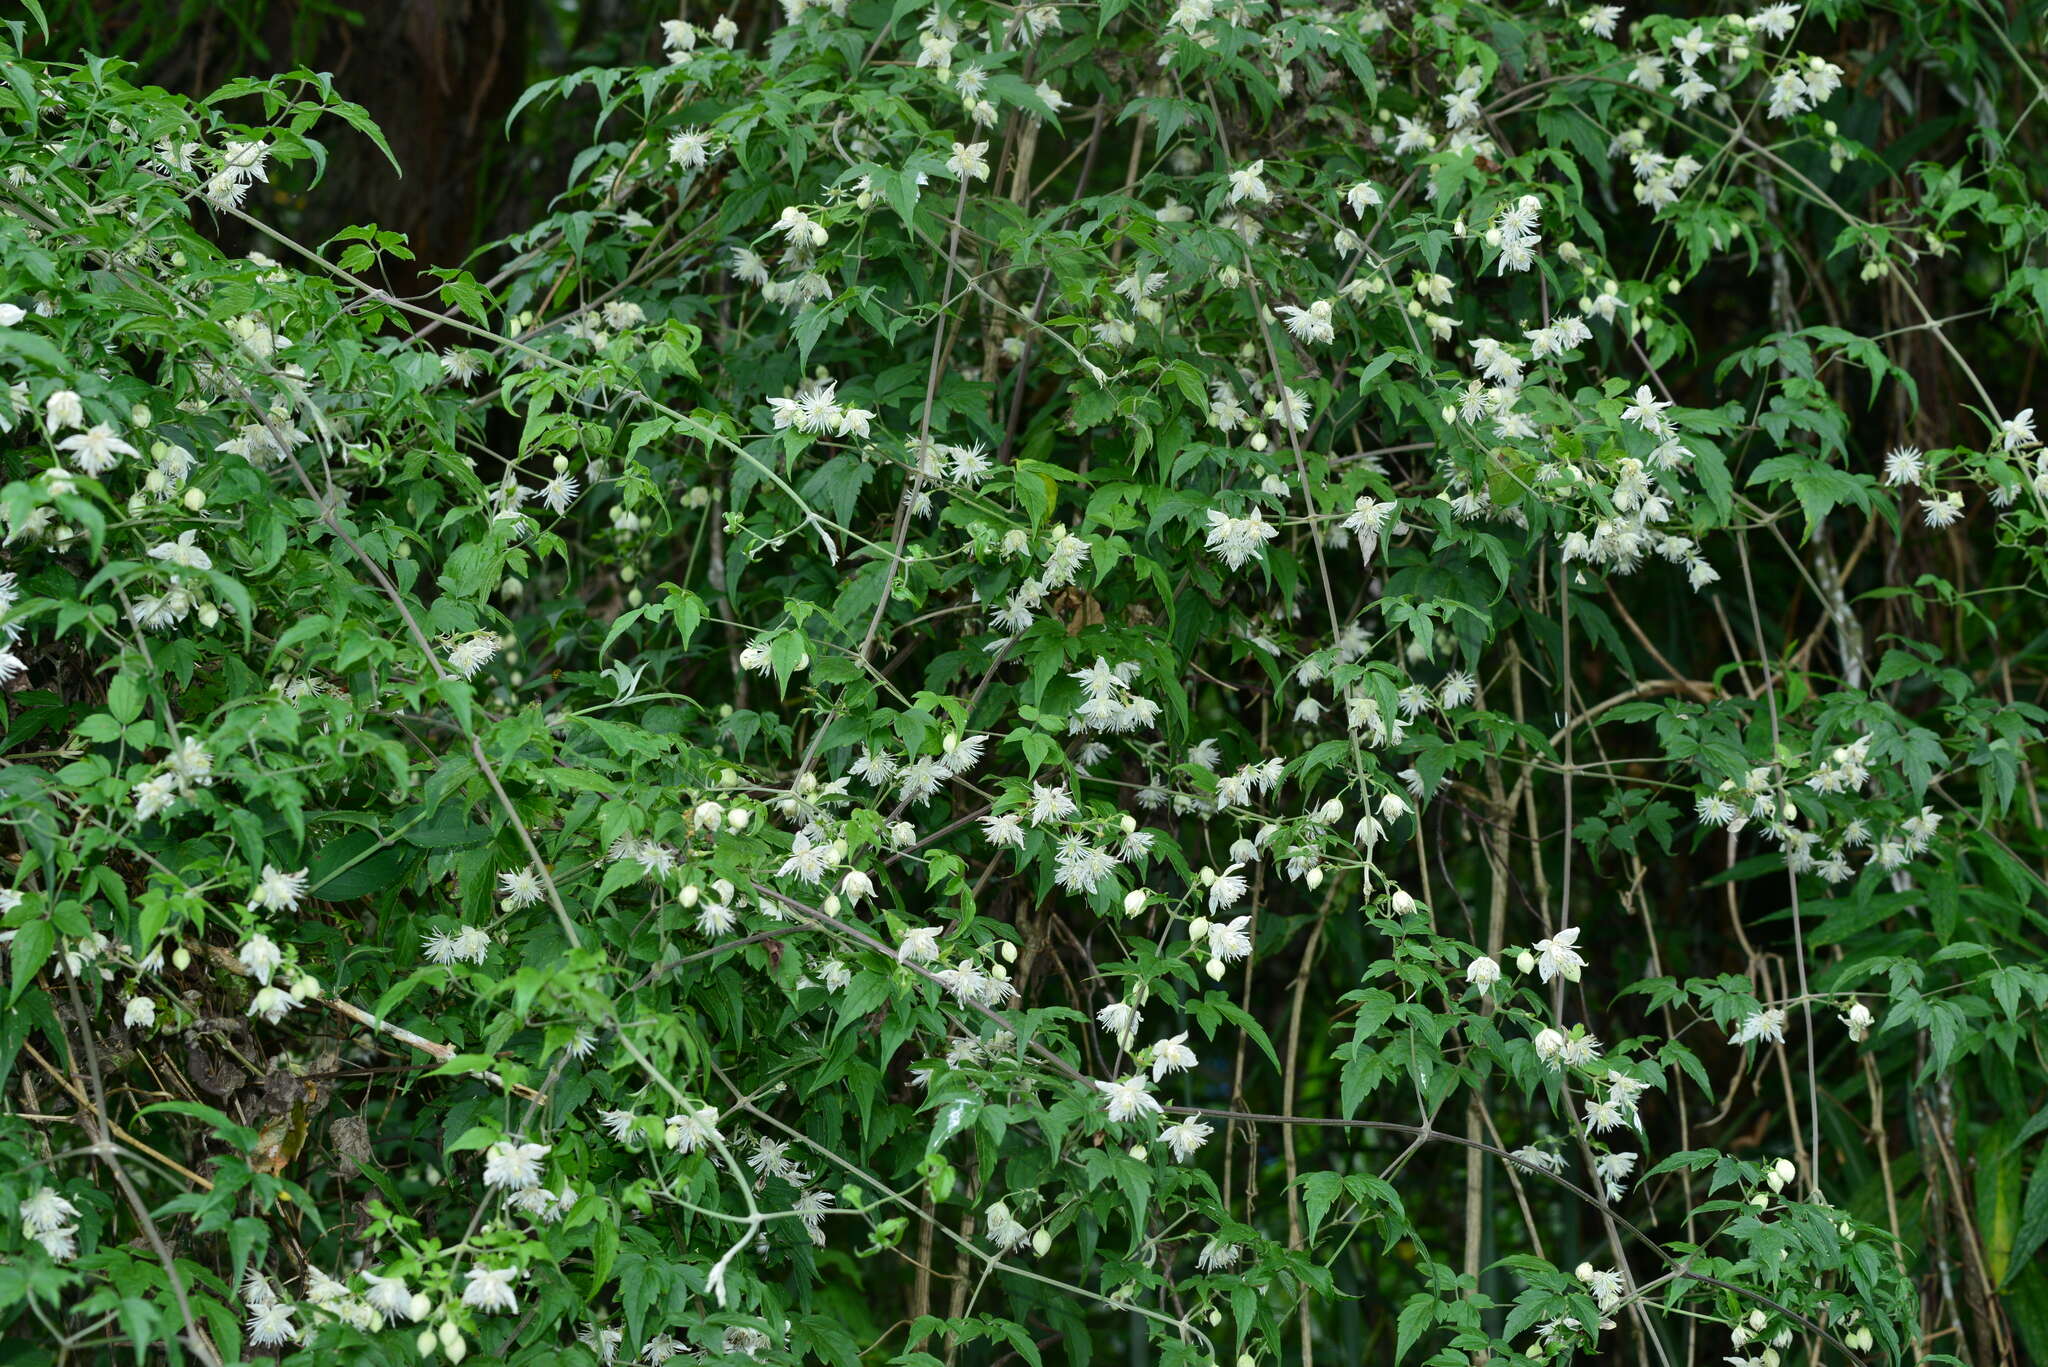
(1214, 968)
(1128, 825)
(1525, 962)
(425, 1343)
(195, 499)
(1041, 1243)
(1758, 1320)
(738, 819)
(1138, 1152)
(181, 958)
(1198, 929)
(1009, 952)
(691, 892)
(1314, 878)
(420, 1306)
(830, 906)
(1134, 901)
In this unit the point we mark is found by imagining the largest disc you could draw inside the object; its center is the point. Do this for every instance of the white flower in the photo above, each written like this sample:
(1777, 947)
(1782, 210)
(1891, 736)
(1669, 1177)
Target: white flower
(1768, 1024)
(62, 409)
(515, 1167)
(140, 1013)
(271, 1324)
(1229, 941)
(1858, 1021)
(1482, 973)
(690, 149)
(1004, 1229)
(1646, 410)
(1121, 1020)
(2018, 430)
(1218, 1257)
(467, 945)
(1248, 184)
(919, 945)
(1172, 1056)
(1186, 1138)
(490, 1288)
(1128, 1099)
(1050, 803)
(272, 1003)
(969, 160)
(1311, 324)
(807, 863)
(1556, 955)
(1228, 889)
(1604, 1287)
(468, 656)
(1904, 465)
(558, 493)
(96, 450)
(45, 1211)
(258, 955)
(153, 795)
(277, 890)
(521, 887)
(389, 1296)
(1775, 20)
(1237, 539)
(692, 1128)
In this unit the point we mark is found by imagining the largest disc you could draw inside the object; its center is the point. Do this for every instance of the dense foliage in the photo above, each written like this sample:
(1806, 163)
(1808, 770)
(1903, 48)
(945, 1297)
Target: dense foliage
(1201, 683)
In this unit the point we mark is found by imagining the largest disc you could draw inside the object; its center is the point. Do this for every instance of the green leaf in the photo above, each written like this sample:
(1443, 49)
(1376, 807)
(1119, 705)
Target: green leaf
(33, 944)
